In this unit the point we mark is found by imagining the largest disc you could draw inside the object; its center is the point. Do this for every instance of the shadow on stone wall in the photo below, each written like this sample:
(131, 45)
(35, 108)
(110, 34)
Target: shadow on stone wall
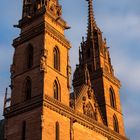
(2, 130)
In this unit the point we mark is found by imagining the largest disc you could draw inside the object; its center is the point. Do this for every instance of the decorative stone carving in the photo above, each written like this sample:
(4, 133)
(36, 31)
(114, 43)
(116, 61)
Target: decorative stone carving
(95, 114)
(90, 93)
(72, 103)
(43, 60)
(42, 119)
(45, 96)
(84, 98)
(68, 73)
(72, 121)
(41, 3)
(59, 10)
(31, 7)
(52, 8)
(55, 9)
(43, 64)
(89, 111)
(68, 76)
(87, 76)
(84, 108)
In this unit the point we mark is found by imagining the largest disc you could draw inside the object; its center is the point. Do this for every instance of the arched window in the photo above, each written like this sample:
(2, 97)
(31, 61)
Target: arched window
(28, 89)
(56, 55)
(57, 131)
(112, 98)
(115, 124)
(56, 90)
(29, 56)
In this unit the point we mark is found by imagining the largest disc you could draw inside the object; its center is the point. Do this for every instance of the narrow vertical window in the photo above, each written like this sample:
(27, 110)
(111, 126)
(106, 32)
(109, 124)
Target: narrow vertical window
(56, 55)
(56, 90)
(115, 124)
(28, 89)
(24, 130)
(29, 56)
(112, 98)
(57, 131)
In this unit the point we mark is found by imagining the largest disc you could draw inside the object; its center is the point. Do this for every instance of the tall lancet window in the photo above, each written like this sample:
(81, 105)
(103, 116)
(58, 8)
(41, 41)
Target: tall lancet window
(29, 56)
(57, 131)
(112, 98)
(115, 124)
(56, 55)
(28, 89)
(56, 90)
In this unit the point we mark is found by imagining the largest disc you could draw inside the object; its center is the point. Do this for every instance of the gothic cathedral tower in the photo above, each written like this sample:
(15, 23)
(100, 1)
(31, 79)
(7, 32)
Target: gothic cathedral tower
(40, 66)
(41, 105)
(94, 54)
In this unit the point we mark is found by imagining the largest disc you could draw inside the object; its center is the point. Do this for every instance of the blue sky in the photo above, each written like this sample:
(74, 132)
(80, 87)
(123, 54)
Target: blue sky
(120, 23)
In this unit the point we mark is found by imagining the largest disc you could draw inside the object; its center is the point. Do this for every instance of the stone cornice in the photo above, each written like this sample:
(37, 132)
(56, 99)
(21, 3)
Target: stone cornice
(60, 21)
(41, 29)
(58, 72)
(112, 78)
(25, 21)
(31, 33)
(25, 71)
(64, 110)
(42, 12)
(23, 107)
(102, 105)
(57, 35)
(101, 73)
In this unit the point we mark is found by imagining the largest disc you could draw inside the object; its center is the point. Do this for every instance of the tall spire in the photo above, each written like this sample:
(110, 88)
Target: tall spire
(91, 19)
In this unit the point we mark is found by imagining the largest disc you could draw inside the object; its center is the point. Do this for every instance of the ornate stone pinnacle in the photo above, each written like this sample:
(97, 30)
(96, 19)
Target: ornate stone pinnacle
(91, 19)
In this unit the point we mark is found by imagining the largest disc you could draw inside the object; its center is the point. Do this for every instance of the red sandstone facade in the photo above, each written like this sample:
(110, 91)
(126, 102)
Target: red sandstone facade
(42, 107)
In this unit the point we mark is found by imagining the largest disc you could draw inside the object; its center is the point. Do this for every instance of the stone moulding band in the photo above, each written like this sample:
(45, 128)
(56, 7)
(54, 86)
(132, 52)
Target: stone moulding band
(65, 111)
(81, 118)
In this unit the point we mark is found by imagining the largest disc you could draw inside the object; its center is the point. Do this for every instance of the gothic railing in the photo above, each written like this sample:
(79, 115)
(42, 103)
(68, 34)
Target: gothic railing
(35, 101)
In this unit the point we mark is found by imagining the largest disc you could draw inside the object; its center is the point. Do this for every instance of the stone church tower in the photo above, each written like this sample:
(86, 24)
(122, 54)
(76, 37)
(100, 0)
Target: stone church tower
(41, 105)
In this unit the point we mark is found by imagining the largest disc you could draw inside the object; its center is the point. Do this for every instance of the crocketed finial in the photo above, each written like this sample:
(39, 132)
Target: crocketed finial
(91, 19)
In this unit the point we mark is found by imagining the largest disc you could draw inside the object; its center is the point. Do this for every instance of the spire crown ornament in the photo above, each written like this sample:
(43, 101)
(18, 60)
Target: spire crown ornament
(91, 19)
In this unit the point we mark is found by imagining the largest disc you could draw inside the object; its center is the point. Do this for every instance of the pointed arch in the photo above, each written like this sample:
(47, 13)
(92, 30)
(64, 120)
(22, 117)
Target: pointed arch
(30, 53)
(56, 90)
(28, 89)
(112, 97)
(115, 124)
(56, 56)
